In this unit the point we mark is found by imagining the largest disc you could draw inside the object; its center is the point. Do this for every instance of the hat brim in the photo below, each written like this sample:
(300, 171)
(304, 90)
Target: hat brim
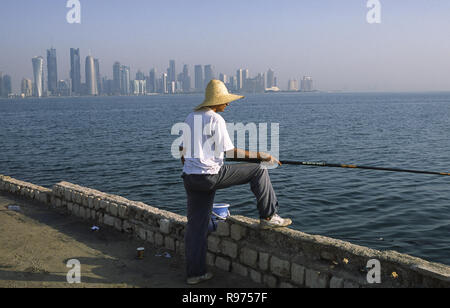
(219, 100)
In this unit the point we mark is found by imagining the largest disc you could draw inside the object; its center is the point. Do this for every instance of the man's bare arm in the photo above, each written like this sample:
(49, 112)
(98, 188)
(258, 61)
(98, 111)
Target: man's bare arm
(244, 154)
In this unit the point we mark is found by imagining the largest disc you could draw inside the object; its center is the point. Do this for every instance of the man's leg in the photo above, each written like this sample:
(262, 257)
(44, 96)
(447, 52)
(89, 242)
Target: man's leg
(199, 207)
(260, 184)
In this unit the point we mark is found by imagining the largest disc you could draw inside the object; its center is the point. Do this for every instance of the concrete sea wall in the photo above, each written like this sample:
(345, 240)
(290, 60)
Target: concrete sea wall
(276, 258)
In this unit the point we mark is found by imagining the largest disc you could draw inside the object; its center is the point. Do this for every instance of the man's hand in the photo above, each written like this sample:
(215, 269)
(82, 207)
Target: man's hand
(247, 155)
(265, 157)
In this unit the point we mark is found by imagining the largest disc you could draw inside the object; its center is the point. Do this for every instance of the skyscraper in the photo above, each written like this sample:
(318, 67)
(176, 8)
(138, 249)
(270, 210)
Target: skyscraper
(307, 84)
(91, 80)
(255, 85)
(107, 86)
(239, 79)
(98, 77)
(52, 71)
(64, 88)
(152, 86)
(223, 78)
(164, 83)
(140, 75)
(186, 79)
(38, 73)
(171, 87)
(117, 79)
(125, 80)
(75, 70)
(171, 72)
(199, 85)
(232, 85)
(245, 76)
(209, 74)
(7, 86)
(138, 87)
(293, 85)
(26, 87)
(270, 79)
(261, 82)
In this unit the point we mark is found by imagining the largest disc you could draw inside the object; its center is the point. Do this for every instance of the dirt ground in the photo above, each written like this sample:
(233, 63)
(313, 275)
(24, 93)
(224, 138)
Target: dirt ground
(36, 243)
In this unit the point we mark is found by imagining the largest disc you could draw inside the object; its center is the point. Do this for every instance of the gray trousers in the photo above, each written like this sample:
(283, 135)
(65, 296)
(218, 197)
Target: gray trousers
(201, 189)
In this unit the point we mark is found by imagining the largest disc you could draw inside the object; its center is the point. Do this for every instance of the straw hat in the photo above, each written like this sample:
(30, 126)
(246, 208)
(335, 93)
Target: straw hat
(217, 94)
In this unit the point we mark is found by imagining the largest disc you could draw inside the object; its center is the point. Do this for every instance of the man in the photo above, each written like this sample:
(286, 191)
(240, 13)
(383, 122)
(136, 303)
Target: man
(204, 172)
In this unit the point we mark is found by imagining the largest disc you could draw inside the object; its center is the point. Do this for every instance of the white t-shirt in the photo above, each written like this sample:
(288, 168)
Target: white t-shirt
(209, 140)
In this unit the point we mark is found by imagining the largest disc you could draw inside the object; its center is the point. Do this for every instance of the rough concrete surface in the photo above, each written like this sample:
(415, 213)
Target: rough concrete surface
(36, 243)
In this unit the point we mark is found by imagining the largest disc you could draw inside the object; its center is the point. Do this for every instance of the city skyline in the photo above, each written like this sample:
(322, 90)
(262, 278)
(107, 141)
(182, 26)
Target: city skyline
(329, 40)
(122, 83)
(93, 78)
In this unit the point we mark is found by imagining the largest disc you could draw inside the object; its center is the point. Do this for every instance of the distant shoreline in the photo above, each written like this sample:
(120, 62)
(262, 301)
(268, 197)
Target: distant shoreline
(247, 94)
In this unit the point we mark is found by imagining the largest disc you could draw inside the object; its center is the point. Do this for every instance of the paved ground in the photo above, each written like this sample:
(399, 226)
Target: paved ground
(37, 242)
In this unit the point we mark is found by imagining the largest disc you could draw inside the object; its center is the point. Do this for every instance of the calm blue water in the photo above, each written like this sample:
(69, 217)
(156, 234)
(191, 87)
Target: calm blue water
(121, 145)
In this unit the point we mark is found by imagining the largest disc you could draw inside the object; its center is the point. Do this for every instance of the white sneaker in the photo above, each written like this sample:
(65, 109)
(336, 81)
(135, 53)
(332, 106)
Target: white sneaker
(198, 279)
(274, 222)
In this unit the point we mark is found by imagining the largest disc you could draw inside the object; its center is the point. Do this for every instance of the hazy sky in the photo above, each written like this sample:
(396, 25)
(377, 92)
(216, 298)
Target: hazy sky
(330, 40)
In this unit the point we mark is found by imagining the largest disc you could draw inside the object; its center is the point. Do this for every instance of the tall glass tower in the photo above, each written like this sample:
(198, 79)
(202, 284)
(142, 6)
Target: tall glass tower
(199, 83)
(186, 82)
(38, 74)
(171, 73)
(152, 86)
(75, 70)
(91, 80)
(117, 78)
(52, 71)
(7, 86)
(239, 79)
(98, 77)
(26, 87)
(209, 74)
(125, 80)
(164, 88)
(270, 78)
(307, 84)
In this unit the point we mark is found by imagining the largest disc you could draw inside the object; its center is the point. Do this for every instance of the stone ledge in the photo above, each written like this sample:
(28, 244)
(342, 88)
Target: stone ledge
(342, 248)
(25, 189)
(119, 201)
(279, 258)
(10, 180)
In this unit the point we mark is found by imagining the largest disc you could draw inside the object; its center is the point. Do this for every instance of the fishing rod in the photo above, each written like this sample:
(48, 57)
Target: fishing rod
(325, 164)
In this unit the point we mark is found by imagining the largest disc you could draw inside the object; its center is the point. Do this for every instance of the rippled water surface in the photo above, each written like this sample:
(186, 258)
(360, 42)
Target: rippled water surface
(121, 145)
